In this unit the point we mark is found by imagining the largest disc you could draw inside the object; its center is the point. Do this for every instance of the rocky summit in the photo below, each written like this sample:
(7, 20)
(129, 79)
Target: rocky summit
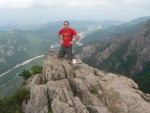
(79, 88)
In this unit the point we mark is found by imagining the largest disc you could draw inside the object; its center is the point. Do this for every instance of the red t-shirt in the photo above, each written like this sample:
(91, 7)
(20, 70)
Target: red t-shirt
(67, 35)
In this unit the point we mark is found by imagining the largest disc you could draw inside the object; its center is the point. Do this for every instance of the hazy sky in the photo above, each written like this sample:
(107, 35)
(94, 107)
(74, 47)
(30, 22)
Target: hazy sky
(33, 11)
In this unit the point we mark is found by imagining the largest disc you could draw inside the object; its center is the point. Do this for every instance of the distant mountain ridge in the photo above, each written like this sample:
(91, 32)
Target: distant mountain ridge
(129, 28)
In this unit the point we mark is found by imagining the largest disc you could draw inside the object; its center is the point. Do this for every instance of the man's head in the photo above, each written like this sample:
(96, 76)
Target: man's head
(66, 24)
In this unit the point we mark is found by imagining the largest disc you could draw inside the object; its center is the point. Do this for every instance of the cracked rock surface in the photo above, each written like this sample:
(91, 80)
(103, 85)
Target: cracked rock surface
(82, 89)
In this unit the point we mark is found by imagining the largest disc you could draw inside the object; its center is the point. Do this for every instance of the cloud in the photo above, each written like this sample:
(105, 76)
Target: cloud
(50, 3)
(66, 3)
(41, 10)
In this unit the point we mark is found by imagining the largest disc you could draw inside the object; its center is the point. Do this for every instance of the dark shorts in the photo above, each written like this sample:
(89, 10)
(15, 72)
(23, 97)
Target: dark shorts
(65, 50)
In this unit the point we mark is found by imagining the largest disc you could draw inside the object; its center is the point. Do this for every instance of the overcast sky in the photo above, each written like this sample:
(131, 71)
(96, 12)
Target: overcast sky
(33, 11)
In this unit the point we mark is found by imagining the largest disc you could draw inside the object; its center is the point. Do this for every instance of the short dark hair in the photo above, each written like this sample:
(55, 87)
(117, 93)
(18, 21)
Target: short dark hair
(66, 22)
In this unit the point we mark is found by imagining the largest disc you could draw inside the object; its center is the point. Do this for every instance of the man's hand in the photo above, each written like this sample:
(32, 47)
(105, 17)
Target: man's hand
(72, 42)
(61, 41)
(76, 39)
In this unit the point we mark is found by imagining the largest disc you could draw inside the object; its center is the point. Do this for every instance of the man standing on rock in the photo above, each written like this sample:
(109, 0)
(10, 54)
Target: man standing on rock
(65, 35)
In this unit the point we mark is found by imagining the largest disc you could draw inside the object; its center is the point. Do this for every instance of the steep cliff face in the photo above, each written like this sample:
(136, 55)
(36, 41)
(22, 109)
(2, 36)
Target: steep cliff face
(140, 45)
(127, 55)
(63, 88)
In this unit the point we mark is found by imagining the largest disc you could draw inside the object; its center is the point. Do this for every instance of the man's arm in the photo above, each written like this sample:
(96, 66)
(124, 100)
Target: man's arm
(58, 36)
(77, 38)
